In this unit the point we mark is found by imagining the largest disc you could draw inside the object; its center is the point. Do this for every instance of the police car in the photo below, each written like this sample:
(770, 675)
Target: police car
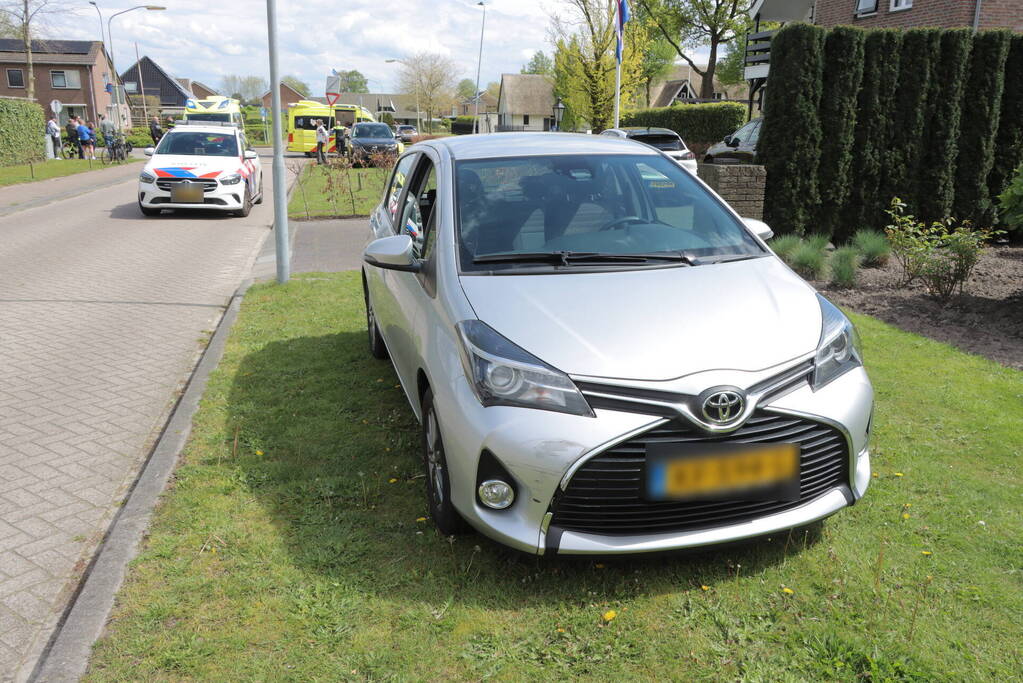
(201, 166)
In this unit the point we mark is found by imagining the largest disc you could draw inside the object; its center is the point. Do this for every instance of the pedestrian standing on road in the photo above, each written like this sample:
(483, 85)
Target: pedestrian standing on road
(53, 130)
(72, 135)
(86, 136)
(339, 138)
(106, 126)
(155, 131)
(322, 137)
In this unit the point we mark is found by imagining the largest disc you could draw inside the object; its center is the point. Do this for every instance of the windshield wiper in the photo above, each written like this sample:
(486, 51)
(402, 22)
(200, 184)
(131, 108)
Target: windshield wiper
(727, 259)
(566, 258)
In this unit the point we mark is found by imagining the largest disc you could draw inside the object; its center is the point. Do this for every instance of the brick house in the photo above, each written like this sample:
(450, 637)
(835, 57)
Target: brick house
(288, 96)
(75, 72)
(977, 14)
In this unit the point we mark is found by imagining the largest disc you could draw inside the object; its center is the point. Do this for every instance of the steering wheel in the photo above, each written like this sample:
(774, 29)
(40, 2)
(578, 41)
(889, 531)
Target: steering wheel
(622, 222)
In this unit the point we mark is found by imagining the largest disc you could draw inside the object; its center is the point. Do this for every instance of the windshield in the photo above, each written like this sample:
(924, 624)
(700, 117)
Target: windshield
(372, 130)
(514, 211)
(192, 143)
(208, 117)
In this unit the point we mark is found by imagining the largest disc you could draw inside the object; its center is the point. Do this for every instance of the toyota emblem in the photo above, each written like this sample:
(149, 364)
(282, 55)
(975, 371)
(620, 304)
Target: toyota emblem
(723, 406)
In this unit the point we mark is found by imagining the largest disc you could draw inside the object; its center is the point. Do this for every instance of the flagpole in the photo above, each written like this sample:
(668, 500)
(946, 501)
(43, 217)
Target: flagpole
(618, 90)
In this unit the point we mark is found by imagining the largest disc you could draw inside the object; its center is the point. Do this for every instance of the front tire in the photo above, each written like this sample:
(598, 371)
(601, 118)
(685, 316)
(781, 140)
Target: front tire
(438, 483)
(259, 199)
(246, 205)
(377, 349)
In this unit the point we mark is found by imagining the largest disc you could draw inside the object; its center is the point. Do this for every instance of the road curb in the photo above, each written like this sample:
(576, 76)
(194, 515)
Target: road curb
(66, 655)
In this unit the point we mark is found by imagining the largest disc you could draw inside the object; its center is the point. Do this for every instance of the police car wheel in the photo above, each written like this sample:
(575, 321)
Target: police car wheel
(259, 197)
(246, 205)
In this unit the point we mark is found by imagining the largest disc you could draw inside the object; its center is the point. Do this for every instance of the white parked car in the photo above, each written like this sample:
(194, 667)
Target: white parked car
(664, 139)
(201, 166)
(604, 356)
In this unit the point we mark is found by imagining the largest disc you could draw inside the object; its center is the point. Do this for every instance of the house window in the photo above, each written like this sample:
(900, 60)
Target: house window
(525, 119)
(65, 80)
(15, 78)
(898, 5)
(131, 86)
(866, 6)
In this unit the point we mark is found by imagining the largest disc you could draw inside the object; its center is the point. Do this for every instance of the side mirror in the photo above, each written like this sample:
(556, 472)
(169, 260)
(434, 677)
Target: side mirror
(392, 253)
(727, 140)
(760, 228)
(251, 154)
(733, 142)
(149, 151)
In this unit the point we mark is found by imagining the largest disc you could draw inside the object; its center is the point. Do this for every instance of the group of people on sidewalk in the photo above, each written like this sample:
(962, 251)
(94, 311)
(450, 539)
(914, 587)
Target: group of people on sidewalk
(81, 135)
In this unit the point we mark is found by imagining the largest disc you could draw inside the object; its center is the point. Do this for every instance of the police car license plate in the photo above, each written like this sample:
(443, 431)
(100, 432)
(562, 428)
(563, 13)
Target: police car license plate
(187, 193)
(709, 472)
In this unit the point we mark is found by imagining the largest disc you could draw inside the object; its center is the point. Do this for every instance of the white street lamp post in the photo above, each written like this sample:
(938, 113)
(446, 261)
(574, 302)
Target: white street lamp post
(479, 63)
(110, 40)
(419, 124)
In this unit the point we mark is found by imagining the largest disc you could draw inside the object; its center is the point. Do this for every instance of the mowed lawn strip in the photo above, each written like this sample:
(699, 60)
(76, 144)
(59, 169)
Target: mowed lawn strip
(55, 168)
(292, 544)
(332, 192)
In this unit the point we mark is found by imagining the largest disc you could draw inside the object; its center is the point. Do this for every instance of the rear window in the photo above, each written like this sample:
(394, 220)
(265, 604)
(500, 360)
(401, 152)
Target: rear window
(660, 141)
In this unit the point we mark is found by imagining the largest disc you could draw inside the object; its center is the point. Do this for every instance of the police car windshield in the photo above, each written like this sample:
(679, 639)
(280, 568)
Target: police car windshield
(194, 143)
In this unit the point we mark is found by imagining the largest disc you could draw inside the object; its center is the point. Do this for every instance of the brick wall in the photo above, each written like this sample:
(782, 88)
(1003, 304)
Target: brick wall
(940, 13)
(741, 185)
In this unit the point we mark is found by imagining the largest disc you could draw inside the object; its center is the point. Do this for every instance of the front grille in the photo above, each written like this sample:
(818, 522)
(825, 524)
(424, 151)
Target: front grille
(165, 184)
(605, 496)
(217, 201)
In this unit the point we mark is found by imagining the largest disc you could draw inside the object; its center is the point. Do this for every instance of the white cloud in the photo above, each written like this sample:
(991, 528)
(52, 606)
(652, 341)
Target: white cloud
(207, 39)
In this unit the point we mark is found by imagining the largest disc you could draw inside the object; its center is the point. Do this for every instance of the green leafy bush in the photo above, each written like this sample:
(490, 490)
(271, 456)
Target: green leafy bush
(695, 123)
(784, 246)
(873, 247)
(843, 265)
(1011, 202)
(22, 132)
(808, 261)
(942, 254)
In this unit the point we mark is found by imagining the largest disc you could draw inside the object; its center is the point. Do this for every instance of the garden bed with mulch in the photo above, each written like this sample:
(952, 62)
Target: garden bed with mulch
(987, 319)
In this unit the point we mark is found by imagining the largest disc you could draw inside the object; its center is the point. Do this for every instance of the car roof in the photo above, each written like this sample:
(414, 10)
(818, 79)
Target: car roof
(642, 130)
(507, 145)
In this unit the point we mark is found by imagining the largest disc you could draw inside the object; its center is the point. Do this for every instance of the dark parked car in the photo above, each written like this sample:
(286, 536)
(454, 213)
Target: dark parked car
(406, 133)
(738, 148)
(664, 139)
(368, 139)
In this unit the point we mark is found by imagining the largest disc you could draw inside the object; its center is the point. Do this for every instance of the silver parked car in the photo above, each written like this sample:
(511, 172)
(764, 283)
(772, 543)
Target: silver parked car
(605, 358)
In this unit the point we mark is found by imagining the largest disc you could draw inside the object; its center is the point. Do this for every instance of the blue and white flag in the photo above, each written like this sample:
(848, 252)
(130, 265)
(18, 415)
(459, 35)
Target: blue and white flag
(620, 20)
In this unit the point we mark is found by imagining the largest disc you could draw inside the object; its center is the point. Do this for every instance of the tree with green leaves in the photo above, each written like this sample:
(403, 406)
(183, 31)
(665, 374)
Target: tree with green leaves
(24, 16)
(430, 79)
(730, 67)
(982, 104)
(867, 202)
(1009, 141)
(695, 24)
(353, 81)
(658, 58)
(296, 84)
(466, 89)
(843, 64)
(936, 173)
(790, 136)
(539, 63)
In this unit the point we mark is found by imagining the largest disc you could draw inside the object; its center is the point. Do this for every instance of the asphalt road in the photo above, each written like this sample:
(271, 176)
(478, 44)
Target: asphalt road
(103, 314)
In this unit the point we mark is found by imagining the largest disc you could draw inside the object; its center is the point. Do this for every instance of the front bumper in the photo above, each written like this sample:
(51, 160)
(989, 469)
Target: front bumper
(220, 198)
(543, 450)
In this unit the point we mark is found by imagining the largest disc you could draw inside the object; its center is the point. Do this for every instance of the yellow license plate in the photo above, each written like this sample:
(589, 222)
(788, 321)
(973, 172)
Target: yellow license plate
(725, 472)
(186, 194)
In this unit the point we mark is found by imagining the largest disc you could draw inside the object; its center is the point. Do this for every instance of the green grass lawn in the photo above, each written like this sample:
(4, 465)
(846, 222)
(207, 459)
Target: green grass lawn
(292, 544)
(321, 192)
(24, 173)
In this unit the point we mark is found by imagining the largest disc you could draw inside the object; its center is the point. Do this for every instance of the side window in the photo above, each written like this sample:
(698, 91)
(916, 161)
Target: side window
(419, 206)
(398, 180)
(743, 134)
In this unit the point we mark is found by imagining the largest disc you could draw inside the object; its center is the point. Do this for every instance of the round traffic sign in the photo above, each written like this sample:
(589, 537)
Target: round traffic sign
(56, 106)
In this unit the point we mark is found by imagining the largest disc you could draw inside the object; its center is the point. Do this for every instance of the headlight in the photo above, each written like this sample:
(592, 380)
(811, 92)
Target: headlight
(232, 179)
(146, 178)
(839, 348)
(502, 374)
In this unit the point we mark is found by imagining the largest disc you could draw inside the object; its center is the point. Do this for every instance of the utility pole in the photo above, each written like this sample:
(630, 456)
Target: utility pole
(280, 193)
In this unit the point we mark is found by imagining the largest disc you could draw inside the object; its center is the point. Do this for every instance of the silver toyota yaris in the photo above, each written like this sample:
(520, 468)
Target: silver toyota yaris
(604, 356)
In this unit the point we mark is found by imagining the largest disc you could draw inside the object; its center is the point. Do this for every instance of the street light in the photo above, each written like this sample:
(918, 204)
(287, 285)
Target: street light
(110, 40)
(559, 111)
(479, 63)
(419, 125)
(102, 36)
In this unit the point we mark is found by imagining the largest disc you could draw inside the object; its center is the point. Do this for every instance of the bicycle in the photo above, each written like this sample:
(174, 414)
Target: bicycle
(117, 150)
(68, 149)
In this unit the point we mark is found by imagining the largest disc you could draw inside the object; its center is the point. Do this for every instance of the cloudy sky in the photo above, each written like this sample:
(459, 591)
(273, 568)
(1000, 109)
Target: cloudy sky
(206, 39)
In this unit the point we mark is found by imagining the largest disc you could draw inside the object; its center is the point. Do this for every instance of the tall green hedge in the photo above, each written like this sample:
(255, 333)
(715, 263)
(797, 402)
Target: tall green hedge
(790, 137)
(22, 132)
(843, 66)
(909, 116)
(1008, 154)
(935, 177)
(695, 123)
(982, 107)
(866, 202)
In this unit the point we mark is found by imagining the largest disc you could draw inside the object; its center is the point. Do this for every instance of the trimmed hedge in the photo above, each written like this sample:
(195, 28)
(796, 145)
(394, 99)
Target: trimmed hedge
(982, 102)
(695, 123)
(843, 57)
(1009, 141)
(22, 132)
(790, 136)
(919, 48)
(462, 125)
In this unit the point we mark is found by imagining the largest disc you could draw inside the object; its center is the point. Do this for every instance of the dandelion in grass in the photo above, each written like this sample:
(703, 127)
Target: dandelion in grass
(561, 630)
(599, 565)
(705, 588)
(787, 591)
(420, 519)
(899, 474)
(905, 515)
(926, 552)
(392, 480)
(259, 452)
(609, 615)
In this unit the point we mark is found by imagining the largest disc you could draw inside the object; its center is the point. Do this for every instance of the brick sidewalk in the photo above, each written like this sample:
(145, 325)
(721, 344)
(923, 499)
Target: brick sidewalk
(102, 316)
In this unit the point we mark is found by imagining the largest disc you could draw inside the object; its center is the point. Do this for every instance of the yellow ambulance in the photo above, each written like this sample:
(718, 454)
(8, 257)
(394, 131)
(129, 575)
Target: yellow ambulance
(215, 108)
(302, 116)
